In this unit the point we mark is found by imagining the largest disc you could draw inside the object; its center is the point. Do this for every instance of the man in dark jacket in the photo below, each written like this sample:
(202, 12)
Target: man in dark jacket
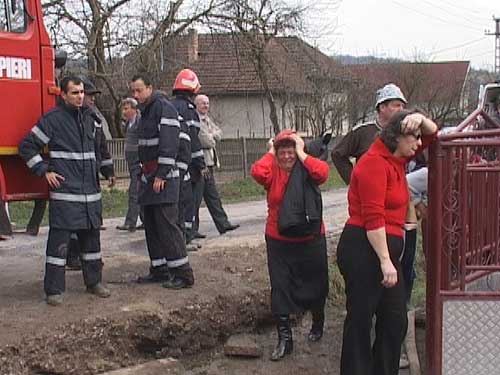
(75, 199)
(389, 100)
(185, 87)
(104, 166)
(158, 141)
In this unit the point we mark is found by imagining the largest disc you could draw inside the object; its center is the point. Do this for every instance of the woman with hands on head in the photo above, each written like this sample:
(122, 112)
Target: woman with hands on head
(371, 244)
(297, 259)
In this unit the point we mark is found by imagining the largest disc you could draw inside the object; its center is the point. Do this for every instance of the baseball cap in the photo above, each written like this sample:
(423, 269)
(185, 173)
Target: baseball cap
(89, 88)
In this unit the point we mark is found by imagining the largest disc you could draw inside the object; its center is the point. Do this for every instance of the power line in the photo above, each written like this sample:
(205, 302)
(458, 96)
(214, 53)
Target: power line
(432, 16)
(459, 45)
(450, 12)
(468, 10)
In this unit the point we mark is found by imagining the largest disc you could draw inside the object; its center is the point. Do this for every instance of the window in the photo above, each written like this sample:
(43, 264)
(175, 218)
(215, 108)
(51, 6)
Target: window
(12, 16)
(300, 118)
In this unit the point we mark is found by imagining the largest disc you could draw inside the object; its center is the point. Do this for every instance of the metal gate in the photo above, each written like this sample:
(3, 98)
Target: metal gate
(463, 297)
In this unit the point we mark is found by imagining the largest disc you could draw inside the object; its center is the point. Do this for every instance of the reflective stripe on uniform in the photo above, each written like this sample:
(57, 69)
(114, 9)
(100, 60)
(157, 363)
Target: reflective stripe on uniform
(173, 174)
(107, 162)
(56, 261)
(188, 224)
(182, 165)
(72, 155)
(197, 154)
(187, 177)
(91, 256)
(177, 263)
(149, 142)
(34, 161)
(193, 123)
(158, 262)
(167, 161)
(185, 136)
(40, 134)
(75, 197)
(169, 122)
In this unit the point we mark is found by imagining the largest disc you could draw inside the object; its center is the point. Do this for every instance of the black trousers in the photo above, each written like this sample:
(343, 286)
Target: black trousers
(57, 247)
(207, 189)
(134, 169)
(165, 241)
(367, 297)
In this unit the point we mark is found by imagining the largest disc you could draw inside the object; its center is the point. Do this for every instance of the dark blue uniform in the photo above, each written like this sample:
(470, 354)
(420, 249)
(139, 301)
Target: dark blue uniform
(69, 133)
(159, 134)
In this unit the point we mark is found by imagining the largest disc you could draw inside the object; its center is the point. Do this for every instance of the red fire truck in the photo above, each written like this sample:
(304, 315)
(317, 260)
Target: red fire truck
(27, 90)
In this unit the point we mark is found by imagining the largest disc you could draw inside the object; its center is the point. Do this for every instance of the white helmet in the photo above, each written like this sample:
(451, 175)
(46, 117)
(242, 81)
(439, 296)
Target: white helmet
(389, 92)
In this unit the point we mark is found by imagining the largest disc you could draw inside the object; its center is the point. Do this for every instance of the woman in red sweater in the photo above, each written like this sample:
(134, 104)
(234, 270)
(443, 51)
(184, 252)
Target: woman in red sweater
(298, 267)
(371, 245)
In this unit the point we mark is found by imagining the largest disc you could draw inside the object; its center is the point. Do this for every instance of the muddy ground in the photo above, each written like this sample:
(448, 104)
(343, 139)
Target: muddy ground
(141, 323)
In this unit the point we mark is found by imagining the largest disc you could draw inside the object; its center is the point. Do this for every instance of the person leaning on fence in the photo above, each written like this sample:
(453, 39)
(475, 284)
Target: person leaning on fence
(296, 247)
(131, 116)
(158, 140)
(371, 244)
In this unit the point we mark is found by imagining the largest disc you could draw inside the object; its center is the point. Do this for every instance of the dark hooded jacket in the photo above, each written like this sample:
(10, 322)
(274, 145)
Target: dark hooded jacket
(301, 210)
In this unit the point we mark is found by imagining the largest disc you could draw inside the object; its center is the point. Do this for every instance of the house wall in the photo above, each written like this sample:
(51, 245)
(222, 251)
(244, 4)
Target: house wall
(240, 116)
(248, 116)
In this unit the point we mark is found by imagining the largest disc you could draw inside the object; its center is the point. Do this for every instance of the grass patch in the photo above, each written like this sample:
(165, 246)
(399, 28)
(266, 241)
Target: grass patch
(115, 201)
(115, 204)
(245, 189)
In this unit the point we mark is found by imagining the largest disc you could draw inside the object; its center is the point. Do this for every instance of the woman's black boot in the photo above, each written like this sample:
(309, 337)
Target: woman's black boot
(285, 340)
(318, 321)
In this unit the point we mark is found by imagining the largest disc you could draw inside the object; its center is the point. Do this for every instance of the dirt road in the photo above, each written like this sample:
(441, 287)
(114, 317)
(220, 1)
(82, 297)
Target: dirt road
(140, 323)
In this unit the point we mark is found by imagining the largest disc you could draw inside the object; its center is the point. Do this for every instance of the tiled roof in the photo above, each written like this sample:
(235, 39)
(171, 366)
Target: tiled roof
(224, 66)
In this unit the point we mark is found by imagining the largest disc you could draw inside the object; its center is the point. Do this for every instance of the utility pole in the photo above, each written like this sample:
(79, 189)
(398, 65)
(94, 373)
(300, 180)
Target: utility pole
(497, 44)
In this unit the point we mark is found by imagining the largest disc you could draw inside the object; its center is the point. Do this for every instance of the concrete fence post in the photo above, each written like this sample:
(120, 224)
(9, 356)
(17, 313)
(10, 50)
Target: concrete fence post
(245, 156)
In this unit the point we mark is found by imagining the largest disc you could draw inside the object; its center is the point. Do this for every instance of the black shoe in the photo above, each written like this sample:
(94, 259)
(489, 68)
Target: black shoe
(130, 228)
(229, 228)
(199, 235)
(32, 231)
(153, 278)
(73, 264)
(315, 335)
(177, 283)
(318, 322)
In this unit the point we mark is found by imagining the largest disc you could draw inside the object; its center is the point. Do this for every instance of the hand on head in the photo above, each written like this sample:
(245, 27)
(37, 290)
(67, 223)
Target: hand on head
(412, 123)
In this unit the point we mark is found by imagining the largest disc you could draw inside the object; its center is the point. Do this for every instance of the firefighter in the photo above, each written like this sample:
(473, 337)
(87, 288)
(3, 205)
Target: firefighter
(158, 147)
(389, 100)
(104, 165)
(185, 87)
(68, 131)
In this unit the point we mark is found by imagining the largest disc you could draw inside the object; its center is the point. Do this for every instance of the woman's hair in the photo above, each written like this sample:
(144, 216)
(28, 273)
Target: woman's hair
(283, 143)
(390, 134)
(283, 139)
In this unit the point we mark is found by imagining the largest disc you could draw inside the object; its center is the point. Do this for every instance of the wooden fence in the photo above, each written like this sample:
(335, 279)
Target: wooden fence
(236, 155)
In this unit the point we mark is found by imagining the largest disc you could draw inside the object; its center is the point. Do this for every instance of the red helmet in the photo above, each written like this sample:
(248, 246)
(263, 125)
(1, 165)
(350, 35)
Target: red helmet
(187, 80)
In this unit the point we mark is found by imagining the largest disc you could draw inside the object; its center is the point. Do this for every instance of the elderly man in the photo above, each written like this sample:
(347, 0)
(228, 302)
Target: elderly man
(206, 188)
(131, 115)
(75, 199)
(389, 100)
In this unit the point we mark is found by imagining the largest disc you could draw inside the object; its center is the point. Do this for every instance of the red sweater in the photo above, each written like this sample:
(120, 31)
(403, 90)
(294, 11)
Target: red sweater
(378, 192)
(267, 173)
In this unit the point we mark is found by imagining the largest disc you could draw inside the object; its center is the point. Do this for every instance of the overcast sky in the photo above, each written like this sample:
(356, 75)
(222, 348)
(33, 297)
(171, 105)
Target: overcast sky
(437, 30)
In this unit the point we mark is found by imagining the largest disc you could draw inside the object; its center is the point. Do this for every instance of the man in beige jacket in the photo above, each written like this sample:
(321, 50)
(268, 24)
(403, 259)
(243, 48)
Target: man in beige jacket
(206, 188)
